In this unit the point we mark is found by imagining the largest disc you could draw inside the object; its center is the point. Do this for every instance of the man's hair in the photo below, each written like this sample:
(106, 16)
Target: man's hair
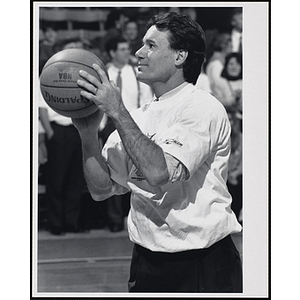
(184, 34)
(112, 44)
(48, 25)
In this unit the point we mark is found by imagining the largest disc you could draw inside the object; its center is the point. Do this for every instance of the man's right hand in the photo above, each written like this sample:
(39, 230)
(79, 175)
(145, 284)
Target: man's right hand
(90, 123)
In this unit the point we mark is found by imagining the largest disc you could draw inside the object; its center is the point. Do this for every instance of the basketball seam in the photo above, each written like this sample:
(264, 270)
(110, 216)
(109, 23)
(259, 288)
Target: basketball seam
(60, 87)
(54, 108)
(68, 61)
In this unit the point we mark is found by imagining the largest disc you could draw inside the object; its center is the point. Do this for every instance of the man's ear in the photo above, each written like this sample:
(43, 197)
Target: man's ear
(181, 56)
(112, 53)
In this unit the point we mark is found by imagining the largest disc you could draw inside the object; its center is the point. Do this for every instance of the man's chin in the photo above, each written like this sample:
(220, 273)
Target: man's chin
(142, 79)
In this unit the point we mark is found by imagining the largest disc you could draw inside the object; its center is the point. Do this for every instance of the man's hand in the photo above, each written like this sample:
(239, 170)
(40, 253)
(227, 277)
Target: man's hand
(106, 95)
(90, 123)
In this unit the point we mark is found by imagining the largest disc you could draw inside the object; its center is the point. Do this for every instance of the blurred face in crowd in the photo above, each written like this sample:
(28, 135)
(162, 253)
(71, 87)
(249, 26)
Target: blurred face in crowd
(156, 58)
(237, 22)
(121, 55)
(233, 67)
(74, 45)
(131, 30)
(50, 35)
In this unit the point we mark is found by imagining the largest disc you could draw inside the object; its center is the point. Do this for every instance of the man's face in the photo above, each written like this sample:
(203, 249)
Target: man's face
(237, 22)
(156, 58)
(122, 53)
(131, 30)
(50, 35)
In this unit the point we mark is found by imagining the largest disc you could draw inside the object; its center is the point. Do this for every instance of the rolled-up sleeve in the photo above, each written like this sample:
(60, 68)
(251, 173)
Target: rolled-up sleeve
(177, 171)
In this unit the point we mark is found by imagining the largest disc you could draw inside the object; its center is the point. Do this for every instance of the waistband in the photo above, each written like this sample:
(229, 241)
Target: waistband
(183, 255)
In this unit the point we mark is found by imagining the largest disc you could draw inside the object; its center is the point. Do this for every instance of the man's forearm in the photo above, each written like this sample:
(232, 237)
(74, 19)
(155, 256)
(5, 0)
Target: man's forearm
(95, 169)
(147, 156)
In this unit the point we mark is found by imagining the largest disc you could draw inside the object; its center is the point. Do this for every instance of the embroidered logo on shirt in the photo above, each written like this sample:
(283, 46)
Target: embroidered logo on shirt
(173, 141)
(137, 174)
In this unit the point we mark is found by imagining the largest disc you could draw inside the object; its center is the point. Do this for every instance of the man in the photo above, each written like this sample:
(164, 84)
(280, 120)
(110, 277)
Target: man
(47, 44)
(172, 154)
(237, 30)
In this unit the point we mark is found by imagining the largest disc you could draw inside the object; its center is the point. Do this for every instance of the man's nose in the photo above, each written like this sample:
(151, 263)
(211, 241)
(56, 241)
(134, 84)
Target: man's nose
(140, 53)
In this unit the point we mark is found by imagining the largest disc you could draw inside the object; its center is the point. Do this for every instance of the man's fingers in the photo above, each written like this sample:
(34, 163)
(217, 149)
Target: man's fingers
(87, 86)
(89, 78)
(89, 96)
(101, 73)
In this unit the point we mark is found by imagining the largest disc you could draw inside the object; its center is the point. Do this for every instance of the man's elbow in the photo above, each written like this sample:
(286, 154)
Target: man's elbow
(100, 194)
(158, 179)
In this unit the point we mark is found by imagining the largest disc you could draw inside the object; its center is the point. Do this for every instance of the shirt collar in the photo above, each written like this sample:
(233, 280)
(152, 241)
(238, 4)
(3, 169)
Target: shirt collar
(172, 92)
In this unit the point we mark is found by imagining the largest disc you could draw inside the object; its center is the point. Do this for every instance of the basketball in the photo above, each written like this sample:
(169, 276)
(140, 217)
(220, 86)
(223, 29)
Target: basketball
(58, 82)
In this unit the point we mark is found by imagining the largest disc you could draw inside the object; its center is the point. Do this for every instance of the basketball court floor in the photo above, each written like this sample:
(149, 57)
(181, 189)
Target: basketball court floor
(97, 261)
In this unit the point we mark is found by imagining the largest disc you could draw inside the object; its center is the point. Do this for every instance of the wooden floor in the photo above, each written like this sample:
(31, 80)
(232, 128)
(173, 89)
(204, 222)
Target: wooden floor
(94, 262)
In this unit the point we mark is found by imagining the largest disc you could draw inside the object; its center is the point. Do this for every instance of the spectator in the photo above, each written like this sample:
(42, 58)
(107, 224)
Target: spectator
(237, 30)
(114, 24)
(64, 174)
(131, 34)
(134, 93)
(190, 12)
(222, 46)
(47, 44)
(232, 91)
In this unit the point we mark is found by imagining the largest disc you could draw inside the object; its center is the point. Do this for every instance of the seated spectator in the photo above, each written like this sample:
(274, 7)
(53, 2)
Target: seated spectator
(232, 90)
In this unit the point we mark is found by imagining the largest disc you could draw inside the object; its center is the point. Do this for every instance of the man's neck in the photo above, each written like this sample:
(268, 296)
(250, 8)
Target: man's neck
(160, 88)
(117, 64)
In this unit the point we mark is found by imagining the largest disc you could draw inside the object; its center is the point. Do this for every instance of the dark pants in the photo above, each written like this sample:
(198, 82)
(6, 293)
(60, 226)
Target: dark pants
(236, 192)
(64, 180)
(213, 270)
(118, 208)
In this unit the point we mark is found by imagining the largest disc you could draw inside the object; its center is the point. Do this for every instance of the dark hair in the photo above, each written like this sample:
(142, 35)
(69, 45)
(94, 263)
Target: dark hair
(184, 34)
(48, 25)
(227, 59)
(112, 44)
(114, 16)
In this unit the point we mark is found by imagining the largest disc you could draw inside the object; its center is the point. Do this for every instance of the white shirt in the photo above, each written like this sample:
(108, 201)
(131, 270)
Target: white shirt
(192, 126)
(130, 87)
(235, 39)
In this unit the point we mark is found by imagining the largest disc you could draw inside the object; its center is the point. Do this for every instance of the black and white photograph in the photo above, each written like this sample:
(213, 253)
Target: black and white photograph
(150, 149)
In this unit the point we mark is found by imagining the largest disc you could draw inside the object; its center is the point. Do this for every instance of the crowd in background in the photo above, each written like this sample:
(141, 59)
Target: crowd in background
(66, 205)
